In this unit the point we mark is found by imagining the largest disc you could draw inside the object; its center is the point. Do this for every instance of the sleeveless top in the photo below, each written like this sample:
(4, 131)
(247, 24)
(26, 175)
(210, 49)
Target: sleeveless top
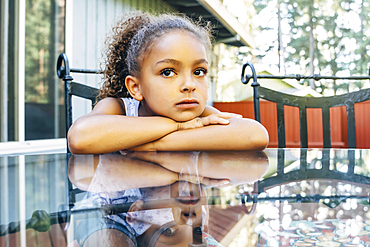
(131, 107)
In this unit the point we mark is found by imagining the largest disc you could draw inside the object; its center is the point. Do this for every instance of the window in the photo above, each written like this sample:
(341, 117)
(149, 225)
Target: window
(32, 101)
(44, 40)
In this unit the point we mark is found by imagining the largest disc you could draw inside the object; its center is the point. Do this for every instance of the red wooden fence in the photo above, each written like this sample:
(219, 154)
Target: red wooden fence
(338, 123)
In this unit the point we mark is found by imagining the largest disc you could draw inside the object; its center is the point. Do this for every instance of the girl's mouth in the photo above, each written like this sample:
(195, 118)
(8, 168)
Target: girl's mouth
(187, 104)
(188, 200)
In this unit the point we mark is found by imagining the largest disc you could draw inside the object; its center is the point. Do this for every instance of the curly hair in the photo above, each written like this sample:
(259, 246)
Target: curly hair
(133, 37)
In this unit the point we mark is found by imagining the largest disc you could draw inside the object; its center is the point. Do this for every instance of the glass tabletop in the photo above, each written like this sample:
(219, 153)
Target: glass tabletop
(276, 197)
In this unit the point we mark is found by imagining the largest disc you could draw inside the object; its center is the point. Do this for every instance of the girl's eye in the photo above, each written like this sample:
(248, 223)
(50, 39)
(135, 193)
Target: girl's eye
(171, 231)
(200, 72)
(167, 72)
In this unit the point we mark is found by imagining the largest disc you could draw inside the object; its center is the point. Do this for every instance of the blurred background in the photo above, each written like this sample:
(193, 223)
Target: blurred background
(278, 37)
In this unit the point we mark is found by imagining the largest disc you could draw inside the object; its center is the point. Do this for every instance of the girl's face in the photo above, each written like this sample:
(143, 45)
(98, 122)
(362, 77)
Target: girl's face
(173, 80)
(187, 202)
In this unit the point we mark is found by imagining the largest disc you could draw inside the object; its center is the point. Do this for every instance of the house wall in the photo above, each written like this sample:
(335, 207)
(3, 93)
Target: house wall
(91, 22)
(88, 22)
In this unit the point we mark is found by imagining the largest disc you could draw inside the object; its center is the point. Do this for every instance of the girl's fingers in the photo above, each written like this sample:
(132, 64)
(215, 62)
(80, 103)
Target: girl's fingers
(214, 120)
(214, 182)
(217, 118)
(190, 178)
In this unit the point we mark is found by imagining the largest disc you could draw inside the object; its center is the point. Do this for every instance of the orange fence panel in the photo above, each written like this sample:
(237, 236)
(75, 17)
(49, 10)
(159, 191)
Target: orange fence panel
(362, 116)
(338, 123)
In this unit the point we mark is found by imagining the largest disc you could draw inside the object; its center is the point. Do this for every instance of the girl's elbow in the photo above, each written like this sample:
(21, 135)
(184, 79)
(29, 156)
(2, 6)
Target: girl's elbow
(262, 142)
(261, 138)
(74, 148)
(76, 144)
(256, 136)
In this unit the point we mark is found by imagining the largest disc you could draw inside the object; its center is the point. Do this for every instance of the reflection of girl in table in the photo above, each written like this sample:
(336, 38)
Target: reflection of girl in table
(187, 220)
(158, 216)
(169, 184)
(155, 92)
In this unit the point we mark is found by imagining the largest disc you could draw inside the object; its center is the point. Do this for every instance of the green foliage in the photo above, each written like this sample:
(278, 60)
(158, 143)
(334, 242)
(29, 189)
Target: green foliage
(339, 45)
(38, 26)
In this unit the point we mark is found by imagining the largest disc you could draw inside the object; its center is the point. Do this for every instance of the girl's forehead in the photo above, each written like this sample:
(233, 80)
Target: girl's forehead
(175, 43)
(181, 32)
(173, 37)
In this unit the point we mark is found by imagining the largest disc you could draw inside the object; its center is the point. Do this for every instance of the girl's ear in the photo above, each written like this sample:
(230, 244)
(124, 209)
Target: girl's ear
(136, 206)
(133, 87)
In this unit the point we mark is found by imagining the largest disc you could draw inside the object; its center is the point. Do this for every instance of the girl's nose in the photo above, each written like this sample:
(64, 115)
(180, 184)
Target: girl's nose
(187, 216)
(188, 85)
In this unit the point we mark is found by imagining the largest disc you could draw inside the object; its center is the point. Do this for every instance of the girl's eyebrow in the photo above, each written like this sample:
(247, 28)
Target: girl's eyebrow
(201, 61)
(176, 62)
(168, 60)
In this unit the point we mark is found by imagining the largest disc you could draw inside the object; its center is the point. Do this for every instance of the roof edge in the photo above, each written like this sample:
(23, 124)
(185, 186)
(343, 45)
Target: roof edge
(216, 8)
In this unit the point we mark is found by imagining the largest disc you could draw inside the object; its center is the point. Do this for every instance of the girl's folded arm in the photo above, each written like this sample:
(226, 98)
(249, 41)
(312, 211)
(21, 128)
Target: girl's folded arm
(106, 129)
(239, 134)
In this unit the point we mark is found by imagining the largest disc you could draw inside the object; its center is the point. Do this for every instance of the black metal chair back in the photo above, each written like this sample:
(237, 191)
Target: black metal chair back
(325, 103)
(74, 88)
(308, 170)
(80, 90)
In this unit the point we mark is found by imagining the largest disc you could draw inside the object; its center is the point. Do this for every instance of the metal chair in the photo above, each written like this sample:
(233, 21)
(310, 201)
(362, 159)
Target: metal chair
(79, 90)
(325, 103)
(74, 88)
(306, 172)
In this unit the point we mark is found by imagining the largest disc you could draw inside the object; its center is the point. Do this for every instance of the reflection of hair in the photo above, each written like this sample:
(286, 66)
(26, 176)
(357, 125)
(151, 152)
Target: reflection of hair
(132, 37)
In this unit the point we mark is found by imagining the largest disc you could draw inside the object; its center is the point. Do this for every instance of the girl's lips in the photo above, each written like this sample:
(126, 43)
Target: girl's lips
(188, 200)
(187, 104)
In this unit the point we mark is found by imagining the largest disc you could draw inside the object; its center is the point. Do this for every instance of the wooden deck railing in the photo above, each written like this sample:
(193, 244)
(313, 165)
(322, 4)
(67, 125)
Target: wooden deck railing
(338, 120)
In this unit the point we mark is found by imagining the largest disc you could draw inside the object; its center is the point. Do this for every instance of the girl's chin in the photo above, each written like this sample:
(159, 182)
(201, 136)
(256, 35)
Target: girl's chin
(184, 119)
(183, 116)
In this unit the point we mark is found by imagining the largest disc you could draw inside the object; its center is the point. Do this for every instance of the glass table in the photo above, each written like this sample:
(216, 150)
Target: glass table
(276, 197)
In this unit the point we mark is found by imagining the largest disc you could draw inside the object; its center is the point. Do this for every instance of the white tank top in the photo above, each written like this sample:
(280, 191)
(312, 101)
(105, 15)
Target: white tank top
(131, 107)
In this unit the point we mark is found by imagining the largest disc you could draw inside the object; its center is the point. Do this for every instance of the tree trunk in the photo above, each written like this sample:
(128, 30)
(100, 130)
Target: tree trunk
(363, 52)
(312, 46)
(280, 43)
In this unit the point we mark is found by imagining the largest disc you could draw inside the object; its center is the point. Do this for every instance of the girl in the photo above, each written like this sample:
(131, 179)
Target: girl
(155, 91)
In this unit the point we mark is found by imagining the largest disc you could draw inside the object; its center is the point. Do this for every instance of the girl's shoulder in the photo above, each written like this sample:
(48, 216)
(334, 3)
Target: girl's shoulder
(110, 105)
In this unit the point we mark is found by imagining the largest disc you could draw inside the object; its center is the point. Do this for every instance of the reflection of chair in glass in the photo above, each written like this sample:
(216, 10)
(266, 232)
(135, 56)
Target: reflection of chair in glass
(317, 169)
(303, 103)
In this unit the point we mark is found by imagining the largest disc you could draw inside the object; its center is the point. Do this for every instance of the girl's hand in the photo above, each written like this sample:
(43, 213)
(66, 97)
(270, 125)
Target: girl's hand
(216, 118)
(205, 181)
